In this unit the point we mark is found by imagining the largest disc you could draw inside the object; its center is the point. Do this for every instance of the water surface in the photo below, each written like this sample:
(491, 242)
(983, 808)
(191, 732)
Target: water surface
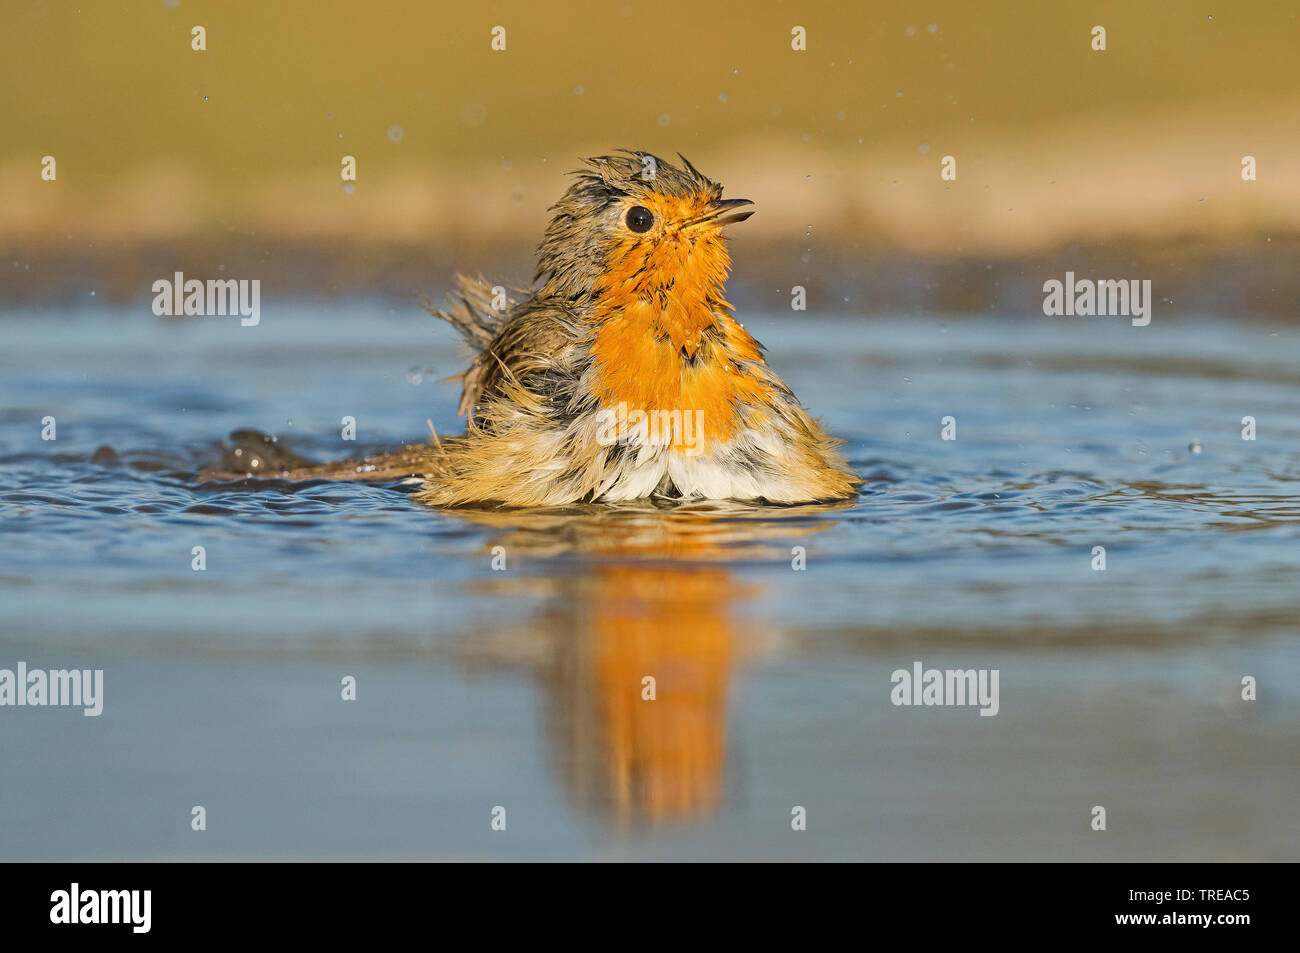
(522, 688)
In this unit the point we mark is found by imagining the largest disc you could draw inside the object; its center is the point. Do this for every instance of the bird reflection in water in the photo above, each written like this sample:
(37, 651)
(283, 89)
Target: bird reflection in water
(640, 626)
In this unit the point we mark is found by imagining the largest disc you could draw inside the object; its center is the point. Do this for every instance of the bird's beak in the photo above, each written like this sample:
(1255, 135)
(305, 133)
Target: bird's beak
(722, 212)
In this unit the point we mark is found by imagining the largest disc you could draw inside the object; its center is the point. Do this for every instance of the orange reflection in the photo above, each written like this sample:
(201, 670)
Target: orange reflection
(639, 637)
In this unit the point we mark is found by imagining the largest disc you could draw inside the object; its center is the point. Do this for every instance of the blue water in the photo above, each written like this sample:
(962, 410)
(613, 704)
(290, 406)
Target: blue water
(520, 688)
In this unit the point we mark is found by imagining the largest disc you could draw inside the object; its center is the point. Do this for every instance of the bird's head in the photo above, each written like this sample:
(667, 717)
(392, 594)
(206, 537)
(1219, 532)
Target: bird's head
(633, 226)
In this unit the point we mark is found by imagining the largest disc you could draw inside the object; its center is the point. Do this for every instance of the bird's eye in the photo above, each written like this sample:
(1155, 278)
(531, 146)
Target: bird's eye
(640, 218)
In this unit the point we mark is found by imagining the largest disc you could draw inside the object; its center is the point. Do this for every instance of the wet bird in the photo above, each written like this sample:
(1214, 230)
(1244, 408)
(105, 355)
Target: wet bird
(624, 375)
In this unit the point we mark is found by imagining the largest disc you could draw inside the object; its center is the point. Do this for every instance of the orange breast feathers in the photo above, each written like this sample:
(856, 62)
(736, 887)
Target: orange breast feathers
(651, 349)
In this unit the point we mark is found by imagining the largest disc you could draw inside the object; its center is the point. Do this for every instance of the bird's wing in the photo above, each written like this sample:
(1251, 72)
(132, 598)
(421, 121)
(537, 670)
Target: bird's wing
(530, 347)
(512, 337)
(476, 309)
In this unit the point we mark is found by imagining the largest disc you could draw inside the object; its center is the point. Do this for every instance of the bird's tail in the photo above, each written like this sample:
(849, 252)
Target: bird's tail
(475, 308)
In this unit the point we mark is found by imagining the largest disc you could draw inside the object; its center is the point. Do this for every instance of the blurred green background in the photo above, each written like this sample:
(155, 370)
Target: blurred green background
(1127, 161)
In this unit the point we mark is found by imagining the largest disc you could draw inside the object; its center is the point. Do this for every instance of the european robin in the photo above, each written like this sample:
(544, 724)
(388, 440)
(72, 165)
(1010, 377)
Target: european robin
(625, 376)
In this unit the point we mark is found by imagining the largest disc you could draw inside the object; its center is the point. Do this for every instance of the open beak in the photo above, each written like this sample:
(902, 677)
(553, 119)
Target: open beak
(723, 212)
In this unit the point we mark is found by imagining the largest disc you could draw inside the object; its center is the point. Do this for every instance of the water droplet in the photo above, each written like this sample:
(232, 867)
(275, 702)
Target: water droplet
(349, 187)
(722, 97)
(664, 119)
(578, 90)
(395, 133)
(1194, 446)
